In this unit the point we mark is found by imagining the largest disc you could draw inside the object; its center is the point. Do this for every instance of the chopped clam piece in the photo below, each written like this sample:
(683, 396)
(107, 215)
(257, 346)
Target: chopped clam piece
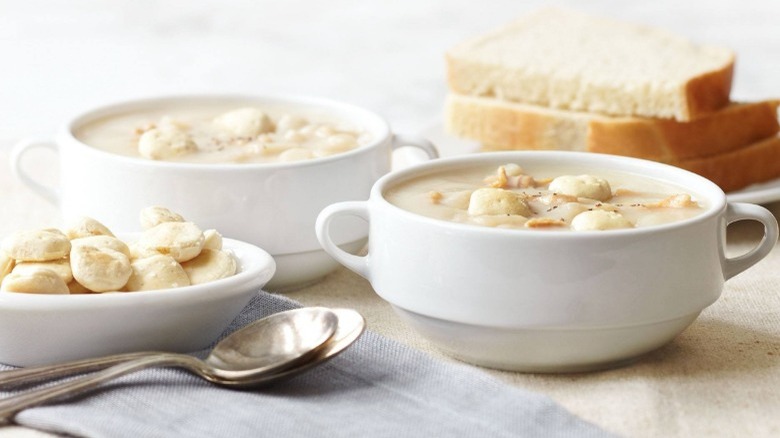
(500, 180)
(510, 176)
(545, 222)
(557, 199)
(513, 169)
(675, 201)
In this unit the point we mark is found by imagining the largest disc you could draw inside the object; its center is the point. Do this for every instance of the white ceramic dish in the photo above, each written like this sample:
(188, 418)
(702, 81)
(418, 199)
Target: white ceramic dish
(762, 193)
(451, 146)
(548, 301)
(44, 329)
(272, 205)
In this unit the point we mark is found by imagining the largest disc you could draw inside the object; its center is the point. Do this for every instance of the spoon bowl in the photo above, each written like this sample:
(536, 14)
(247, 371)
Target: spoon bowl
(351, 326)
(271, 344)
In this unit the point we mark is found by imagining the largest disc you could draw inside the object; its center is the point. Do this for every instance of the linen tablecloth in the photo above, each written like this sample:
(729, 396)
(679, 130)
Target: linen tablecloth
(377, 388)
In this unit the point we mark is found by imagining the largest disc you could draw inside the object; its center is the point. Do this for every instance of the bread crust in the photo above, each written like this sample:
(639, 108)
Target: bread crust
(734, 170)
(734, 127)
(708, 93)
(512, 126)
(506, 126)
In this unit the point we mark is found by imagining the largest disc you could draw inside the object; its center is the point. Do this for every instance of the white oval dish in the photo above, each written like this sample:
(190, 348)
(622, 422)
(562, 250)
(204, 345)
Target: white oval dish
(44, 329)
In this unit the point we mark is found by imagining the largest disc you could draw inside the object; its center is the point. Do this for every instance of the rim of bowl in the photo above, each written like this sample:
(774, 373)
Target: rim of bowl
(715, 196)
(66, 131)
(264, 268)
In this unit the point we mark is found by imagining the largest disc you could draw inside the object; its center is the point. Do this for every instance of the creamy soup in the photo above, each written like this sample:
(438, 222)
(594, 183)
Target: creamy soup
(222, 133)
(510, 197)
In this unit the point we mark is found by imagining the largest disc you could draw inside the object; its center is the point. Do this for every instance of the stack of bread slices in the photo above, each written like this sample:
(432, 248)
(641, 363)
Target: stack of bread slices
(558, 79)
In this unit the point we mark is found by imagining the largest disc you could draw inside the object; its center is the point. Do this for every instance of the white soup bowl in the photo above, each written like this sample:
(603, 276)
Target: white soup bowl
(543, 300)
(272, 205)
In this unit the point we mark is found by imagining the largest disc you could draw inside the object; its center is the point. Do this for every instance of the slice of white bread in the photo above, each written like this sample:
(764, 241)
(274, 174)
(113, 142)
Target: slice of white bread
(500, 125)
(756, 163)
(564, 59)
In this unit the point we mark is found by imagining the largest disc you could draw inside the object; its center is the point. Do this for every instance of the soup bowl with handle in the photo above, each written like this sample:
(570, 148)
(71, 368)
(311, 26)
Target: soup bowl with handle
(545, 300)
(272, 205)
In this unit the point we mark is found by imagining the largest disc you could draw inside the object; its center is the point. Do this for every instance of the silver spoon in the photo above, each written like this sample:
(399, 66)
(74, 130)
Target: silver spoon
(243, 359)
(351, 325)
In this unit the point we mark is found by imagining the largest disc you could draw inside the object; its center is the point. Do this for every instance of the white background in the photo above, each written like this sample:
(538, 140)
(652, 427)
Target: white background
(59, 57)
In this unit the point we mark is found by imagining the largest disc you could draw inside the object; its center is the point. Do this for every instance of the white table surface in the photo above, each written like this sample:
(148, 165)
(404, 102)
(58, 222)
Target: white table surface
(58, 58)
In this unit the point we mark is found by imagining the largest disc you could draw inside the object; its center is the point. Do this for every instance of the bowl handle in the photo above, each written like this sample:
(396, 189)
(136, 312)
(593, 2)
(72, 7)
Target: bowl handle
(352, 208)
(426, 146)
(743, 211)
(17, 154)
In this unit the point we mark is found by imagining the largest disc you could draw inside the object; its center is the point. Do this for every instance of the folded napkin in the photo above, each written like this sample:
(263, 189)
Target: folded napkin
(376, 388)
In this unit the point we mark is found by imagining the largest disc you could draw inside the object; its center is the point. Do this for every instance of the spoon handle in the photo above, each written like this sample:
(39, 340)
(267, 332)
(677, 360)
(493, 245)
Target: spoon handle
(22, 376)
(12, 405)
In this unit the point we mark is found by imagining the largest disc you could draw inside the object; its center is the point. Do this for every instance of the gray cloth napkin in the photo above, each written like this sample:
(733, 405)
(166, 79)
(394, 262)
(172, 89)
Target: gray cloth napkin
(377, 388)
